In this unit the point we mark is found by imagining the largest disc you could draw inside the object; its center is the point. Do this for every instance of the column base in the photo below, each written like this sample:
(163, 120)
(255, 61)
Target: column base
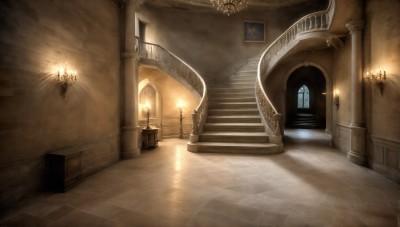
(129, 154)
(357, 153)
(130, 145)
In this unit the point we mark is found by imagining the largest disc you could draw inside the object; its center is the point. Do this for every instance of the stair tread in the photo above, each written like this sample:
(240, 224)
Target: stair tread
(234, 116)
(227, 144)
(234, 124)
(222, 133)
(233, 103)
(235, 110)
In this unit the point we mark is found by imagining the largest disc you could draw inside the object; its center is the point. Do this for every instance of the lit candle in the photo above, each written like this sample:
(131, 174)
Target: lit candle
(181, 104)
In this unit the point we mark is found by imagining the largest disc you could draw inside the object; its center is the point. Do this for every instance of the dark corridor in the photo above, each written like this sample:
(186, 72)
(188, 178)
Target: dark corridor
(306, 98)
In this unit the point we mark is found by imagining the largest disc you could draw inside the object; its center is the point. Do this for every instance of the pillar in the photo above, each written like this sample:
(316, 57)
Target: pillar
(130, 129)
(357, 153)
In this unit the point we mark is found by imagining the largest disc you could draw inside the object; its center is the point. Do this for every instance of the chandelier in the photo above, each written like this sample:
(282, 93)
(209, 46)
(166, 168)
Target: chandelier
(229, 7)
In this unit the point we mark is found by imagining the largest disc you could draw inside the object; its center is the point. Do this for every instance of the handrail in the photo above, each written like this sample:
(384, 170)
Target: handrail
(318, 21)
(185, 72)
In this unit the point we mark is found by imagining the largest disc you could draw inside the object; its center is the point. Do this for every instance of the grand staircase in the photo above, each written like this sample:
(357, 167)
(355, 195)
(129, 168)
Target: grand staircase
(233, 124)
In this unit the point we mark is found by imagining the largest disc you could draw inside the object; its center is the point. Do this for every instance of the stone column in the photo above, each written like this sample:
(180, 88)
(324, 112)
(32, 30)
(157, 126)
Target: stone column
(357, 152)
(130, 129)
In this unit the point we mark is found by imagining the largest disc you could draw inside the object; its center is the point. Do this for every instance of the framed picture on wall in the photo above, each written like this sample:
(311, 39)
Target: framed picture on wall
(253, 31)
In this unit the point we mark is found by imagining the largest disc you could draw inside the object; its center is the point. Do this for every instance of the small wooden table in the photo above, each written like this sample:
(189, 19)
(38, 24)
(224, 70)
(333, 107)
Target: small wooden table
(149, 138)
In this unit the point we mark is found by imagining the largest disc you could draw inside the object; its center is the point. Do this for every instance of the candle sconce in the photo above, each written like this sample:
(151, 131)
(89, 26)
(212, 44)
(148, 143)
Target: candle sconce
(336, 99)
(378, 77)
(65, 78)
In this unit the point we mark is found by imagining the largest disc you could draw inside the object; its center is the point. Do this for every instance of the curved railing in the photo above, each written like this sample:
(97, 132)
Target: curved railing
(319, 21)
(186, 74)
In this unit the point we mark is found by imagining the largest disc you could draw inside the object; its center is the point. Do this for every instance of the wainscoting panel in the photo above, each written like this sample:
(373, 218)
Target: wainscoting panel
(343, 135)
(386, 157)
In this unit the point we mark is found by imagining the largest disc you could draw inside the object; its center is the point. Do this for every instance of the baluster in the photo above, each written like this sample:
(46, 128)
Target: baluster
(315, 22)
(195, 128)
(326, 19)
(277, 129)
(322, 24)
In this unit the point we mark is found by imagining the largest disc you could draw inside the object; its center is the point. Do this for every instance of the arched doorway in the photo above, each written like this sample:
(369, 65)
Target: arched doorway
(306, 98)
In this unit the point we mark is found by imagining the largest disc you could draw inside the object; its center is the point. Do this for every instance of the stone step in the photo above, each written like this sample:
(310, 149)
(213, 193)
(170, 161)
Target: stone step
(229, 99)
(234, 127)
(232, 85)
(234, 119)
(234, 148)
(245, 73)
(235, 137)
(249, 68)
(233, 112)
(231, 90)
(248, 71)
(232, 95)
(233, 105)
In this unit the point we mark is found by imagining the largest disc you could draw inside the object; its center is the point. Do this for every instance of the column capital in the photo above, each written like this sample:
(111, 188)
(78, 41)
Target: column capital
(355, 26)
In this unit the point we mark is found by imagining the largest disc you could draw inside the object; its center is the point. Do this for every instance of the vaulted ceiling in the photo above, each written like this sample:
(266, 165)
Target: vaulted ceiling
(206, 5)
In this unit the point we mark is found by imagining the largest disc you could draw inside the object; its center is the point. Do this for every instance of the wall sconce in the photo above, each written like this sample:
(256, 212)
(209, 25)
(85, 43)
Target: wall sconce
(378, 77)
(147, 108)
(65, 78)
(336, 98)
(180, 106)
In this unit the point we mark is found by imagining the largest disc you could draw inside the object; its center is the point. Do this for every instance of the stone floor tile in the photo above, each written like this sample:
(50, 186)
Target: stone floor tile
(310, 184)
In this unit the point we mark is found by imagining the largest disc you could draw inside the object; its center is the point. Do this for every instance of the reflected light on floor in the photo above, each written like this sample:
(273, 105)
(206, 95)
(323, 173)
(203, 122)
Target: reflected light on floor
(178, 157)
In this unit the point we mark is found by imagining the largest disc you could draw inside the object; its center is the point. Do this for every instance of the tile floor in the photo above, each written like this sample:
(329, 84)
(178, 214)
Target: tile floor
(310, 184)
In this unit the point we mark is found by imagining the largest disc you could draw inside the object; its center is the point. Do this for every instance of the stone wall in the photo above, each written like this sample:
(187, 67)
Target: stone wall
(212, 42)
(36, 38)
(381, 49)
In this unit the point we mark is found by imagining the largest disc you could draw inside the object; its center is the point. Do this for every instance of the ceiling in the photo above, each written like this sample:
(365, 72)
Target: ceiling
(206, 4)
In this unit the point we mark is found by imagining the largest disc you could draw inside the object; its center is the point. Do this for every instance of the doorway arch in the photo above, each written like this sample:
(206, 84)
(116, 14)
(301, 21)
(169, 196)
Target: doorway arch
(306, 98)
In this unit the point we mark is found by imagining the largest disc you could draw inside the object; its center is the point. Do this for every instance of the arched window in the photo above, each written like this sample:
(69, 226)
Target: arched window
(303, 97)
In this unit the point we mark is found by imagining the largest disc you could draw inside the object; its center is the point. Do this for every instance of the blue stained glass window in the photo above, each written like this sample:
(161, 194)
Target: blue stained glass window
(303, 97)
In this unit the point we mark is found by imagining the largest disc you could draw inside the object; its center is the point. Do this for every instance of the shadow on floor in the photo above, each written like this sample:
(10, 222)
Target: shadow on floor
(314, 137)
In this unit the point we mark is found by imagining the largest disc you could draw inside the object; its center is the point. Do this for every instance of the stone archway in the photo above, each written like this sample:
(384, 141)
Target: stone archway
(306, 101)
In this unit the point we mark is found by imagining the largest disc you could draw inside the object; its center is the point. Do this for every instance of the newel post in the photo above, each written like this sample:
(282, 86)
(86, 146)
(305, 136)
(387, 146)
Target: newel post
(277, 118)
(277, 137)
(194, 136)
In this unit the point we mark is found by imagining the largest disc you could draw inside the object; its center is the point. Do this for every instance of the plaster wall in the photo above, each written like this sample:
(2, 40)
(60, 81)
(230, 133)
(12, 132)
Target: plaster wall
(381, 49)
(171, 92)
(212, 42)
(342, 85)
(36, 38)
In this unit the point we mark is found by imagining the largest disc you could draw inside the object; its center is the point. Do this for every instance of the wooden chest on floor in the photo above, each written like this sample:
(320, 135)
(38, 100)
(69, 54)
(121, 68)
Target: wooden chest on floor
(63, 169)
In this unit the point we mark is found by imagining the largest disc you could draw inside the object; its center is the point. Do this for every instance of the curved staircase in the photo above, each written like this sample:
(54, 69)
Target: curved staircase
(233, 124)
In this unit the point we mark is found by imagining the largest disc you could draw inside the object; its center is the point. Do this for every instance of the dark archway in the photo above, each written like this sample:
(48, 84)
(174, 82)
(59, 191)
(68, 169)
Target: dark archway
(306, 98)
